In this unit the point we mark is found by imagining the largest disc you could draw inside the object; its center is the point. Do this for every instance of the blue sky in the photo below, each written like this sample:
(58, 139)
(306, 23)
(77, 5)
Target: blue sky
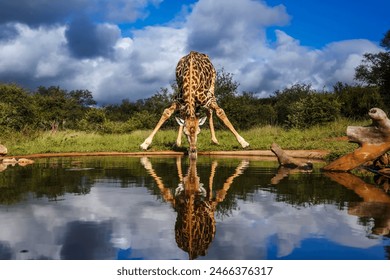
(129, 48)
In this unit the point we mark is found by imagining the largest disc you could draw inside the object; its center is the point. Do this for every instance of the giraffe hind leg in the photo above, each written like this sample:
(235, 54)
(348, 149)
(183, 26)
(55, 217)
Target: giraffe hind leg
(166, 114)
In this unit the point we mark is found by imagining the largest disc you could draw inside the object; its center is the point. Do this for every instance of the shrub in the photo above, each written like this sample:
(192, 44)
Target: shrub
(313, 109)
(357, 100)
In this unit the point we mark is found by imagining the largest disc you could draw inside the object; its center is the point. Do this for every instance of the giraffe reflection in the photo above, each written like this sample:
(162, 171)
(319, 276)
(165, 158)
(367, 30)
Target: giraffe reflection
(195, 206)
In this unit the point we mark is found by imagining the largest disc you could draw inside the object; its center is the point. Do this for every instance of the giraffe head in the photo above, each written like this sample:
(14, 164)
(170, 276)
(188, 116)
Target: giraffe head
(191, 128)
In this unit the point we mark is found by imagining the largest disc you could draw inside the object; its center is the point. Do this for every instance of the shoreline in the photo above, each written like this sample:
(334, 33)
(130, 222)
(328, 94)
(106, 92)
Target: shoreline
(305, 154)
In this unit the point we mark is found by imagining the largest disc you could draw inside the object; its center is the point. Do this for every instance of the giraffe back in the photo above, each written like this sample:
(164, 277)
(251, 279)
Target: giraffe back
(195, 75)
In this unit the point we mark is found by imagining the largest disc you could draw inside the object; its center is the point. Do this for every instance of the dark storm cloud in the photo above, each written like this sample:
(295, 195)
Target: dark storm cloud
(77, 44)
(8, 32)
(39, 12)
(88, 40)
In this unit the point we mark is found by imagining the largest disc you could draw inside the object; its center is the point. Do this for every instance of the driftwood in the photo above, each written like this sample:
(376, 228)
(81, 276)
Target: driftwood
(288, 165)
(373, 140)
(288, 161)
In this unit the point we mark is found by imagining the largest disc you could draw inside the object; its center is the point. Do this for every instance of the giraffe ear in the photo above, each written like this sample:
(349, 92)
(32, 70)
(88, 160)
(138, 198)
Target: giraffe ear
(179, 121)
(202, 121)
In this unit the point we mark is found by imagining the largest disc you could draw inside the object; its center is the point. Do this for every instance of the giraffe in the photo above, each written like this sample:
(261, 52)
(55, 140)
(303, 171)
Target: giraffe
(195, 77)
(195, 206)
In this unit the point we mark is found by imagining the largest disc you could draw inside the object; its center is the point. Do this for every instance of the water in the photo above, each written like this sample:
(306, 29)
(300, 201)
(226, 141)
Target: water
(166, 208)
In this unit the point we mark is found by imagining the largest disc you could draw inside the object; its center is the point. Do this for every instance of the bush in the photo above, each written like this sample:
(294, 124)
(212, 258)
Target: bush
(312, 110)
(143, 120)
(93, 120)
(282, 100)
(17, 109)
(356, 101)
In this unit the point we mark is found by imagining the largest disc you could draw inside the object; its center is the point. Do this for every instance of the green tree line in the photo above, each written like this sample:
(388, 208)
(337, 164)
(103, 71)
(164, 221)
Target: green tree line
(297, 106)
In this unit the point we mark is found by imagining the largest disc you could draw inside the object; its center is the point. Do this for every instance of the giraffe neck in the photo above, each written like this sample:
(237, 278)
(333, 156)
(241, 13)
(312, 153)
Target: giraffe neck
(192, 83)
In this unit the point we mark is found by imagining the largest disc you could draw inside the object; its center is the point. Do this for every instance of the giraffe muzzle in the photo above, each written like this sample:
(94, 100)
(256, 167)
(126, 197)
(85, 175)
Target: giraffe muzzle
(193, 153)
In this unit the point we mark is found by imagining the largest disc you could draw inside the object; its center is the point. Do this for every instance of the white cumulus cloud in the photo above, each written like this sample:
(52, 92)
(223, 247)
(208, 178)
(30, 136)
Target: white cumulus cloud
(114, 66)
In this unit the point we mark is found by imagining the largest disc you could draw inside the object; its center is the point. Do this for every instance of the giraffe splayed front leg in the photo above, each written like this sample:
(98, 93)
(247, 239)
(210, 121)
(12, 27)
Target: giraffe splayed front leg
(166, 114)
(221, 114)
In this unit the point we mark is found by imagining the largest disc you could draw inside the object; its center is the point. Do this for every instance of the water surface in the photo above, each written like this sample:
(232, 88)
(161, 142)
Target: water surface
(166, 208)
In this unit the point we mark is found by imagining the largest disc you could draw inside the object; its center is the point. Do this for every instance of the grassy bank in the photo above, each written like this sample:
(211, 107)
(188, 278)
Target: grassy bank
(326, 137)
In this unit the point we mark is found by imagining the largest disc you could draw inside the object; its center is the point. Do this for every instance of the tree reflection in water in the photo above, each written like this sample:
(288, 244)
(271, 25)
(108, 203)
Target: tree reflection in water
(273, 213)
(195, 206)
(375, 204)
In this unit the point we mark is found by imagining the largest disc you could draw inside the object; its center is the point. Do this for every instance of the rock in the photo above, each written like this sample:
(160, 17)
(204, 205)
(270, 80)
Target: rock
(3, 150)
(25, 161)
(3, 167)
(10, 161)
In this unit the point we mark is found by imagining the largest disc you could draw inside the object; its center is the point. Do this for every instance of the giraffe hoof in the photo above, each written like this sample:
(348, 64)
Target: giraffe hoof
(144, 146)
(245, 144)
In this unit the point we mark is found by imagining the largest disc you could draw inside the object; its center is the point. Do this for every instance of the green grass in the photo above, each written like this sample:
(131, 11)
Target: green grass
(319, 137)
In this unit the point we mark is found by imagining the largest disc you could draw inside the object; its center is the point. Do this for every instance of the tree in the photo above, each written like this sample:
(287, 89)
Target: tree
(357, 100)
(158, 102)
(17, 109)
(58, 107)
(282, 100)
(83, 98)
(313, 109)
(225, 87)
(375, 69)
(385, 42)
(120, 112)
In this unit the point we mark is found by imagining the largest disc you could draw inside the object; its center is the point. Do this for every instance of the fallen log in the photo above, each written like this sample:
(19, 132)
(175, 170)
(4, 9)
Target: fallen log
(373, 141)
(288, 161)
(288, 165)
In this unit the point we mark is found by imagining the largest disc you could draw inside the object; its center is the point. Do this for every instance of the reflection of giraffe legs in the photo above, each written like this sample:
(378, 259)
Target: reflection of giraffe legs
(226, 186)
(195, 222)
(166, 114)
(160, 184)
(220, 194)
(221, 114)
(214, 165)
(178, 168)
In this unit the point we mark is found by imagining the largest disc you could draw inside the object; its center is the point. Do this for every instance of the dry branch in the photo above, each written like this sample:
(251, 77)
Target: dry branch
(373, 140)
(288, 161)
